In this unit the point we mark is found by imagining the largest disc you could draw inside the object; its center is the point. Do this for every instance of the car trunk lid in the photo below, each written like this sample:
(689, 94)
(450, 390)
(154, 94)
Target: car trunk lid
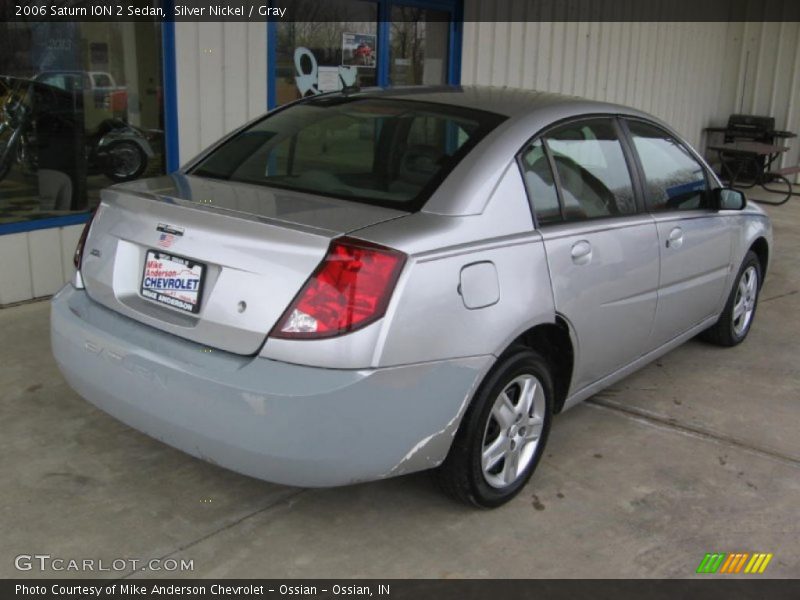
(256, 247)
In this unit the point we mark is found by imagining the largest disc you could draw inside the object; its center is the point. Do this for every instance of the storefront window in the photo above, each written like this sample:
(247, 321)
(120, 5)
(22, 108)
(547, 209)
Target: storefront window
(80, 109)
(418, 48)
(337, 46)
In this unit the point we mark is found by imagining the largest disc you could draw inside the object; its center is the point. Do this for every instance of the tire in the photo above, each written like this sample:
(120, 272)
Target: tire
(501, 397)
(733, 324)
(125, 161)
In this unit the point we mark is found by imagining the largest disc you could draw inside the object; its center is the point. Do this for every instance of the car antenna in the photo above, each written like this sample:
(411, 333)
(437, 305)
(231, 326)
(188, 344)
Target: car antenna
(348, 89)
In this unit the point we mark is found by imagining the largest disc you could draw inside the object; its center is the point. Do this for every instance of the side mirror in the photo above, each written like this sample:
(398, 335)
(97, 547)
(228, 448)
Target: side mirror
(727, 199)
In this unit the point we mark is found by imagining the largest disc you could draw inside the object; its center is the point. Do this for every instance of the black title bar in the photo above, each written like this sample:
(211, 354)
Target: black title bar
(341, 10)
(730, 588)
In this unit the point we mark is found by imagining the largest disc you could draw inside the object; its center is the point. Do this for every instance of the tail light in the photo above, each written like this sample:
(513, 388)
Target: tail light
(350, 289)
(76, 258)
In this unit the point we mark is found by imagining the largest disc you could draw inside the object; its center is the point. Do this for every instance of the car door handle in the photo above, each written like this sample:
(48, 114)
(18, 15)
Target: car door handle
(581, 252)
(675, 239)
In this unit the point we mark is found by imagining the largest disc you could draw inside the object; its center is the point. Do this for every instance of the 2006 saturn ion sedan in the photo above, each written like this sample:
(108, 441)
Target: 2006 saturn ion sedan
(362, 285)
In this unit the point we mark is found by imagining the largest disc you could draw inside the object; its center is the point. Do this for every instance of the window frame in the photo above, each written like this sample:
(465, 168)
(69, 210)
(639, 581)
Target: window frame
(627, 152)
(711, 183)
(519, 158)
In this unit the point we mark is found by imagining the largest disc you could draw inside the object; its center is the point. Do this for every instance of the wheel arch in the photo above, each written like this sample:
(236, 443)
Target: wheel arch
(554, 342)
(761, 249)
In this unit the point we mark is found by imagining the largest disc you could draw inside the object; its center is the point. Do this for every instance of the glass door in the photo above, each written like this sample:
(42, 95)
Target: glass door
(418, 46)
(363, 43)
(337, 46)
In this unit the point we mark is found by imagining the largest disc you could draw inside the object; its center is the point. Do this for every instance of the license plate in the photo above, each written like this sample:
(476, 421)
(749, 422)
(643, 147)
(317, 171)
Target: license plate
(172, 280)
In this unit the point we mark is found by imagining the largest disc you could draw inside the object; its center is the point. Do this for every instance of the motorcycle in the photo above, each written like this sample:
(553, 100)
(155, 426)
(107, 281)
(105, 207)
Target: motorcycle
(115, 149)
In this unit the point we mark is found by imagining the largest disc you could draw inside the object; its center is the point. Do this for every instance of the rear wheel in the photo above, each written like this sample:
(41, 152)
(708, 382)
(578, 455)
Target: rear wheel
(503, 435)
(740, 310)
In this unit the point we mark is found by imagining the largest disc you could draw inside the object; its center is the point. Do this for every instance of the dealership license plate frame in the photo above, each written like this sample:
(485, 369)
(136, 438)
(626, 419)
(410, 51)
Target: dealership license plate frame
(182, 260)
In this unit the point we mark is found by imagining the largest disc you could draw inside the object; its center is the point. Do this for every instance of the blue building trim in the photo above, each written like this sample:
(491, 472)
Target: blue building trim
(272, 44)
(456, 41)
(45, 223)
(384, 31)
(170, 87)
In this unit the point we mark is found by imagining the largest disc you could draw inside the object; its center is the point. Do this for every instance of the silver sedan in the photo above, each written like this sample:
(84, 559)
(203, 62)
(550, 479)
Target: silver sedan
(362, 285)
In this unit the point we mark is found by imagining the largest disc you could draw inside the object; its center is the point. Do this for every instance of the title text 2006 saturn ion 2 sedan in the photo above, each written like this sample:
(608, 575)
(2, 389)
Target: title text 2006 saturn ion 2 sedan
(362, 285)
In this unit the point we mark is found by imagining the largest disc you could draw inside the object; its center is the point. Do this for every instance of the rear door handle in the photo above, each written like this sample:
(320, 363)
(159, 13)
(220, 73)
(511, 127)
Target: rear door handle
(675, 239)
(581, 252)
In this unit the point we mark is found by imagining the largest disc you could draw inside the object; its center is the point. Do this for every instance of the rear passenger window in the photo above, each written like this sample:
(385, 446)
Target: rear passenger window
(594, 177)
(539, 184)
(674, 180)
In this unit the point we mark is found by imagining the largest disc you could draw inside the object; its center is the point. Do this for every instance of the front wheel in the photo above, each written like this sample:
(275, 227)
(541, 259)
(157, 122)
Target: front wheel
(503, 434)
(740, 309)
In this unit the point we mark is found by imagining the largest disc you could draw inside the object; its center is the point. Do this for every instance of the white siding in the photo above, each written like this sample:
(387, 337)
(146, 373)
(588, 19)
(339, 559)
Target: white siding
(47, 274)
(222, 80)
(36, 263)
(15, 268)
(768, 81)
(672, 70)
(692, 75)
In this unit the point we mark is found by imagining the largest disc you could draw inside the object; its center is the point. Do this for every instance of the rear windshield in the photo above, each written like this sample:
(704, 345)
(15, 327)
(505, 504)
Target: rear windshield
(380, 151)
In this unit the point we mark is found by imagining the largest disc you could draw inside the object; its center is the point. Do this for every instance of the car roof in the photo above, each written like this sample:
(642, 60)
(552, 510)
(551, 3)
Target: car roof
(506, 101)
(470, 185)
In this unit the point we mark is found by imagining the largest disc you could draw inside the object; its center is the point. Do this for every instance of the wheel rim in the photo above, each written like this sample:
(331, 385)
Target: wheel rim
(126, 160)
(745, 302)
(513, 431)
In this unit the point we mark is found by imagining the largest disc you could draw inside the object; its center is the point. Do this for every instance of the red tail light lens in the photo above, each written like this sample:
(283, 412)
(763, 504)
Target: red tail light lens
(350, 289)
(76, 258)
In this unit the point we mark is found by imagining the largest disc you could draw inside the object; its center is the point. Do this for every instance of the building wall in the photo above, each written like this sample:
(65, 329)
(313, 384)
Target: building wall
(692, 75)
(222, 80)
(768, 57)
(36, 263)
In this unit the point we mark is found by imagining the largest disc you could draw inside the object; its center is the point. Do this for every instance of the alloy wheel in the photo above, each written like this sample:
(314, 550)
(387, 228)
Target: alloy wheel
(745, 302)
(513, 431)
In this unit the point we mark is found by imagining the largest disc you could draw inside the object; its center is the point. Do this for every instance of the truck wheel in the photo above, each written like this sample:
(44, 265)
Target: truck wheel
(126, 161)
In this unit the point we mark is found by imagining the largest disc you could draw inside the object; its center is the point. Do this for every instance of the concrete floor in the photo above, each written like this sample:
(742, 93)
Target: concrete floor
(697, 453)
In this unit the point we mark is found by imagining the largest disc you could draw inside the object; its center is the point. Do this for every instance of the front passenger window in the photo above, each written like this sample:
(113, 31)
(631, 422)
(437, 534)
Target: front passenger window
(674, 179)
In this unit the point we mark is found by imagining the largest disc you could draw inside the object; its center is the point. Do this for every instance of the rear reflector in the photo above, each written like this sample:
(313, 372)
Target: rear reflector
(350, 289)
(76, 258)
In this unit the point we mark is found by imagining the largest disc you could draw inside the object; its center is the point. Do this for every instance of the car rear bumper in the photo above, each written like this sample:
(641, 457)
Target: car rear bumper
(285, 423)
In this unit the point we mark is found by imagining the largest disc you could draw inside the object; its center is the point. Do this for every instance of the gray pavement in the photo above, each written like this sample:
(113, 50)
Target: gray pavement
(698, 452)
